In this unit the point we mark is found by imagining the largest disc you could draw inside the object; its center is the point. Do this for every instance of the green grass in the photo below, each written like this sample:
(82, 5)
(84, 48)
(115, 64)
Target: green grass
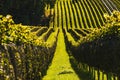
(98, 14)
(75, 15)
(117, 2)
(67, 15)
(101, 12)
(60, 68)
(78, 15)
(55, 16)
(63, 14)
(46, 34)
(71, 13)
(87, 14)
(60, 15)
(93, 23)
(52, 36)
(82, 73)
(83, 15)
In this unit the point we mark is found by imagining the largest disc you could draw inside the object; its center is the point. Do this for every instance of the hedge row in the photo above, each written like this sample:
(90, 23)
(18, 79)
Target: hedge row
(100, 49)
(25, 62)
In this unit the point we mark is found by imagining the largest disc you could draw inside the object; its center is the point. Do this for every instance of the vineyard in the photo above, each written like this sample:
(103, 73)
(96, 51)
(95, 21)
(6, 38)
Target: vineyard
(81, 41)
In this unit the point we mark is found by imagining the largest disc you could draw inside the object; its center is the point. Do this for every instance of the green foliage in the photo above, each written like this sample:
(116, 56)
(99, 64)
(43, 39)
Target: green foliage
(5, 28)
(100, 48)
(112, 27)
(10, 32)
(113, 18)
(25, 11)
(25, 62)
(23, 55)
(16, 33)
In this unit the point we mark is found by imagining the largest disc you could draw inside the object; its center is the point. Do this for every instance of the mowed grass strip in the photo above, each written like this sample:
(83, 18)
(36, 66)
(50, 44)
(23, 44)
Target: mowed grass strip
(60, 68)
(85, 21)
(71, 15)
(109, 5)
(79, 13)
(34, 29)
(56, 16)
(98, 13)
(113, 5)
(63, 15)
(67, 15)
(60, 15)
(46, 34)
(117, 3)
(102, 5)
(52, 36)
(87, 14)
(75, 15)
(95, 13)
(101, 11)
(93, 21)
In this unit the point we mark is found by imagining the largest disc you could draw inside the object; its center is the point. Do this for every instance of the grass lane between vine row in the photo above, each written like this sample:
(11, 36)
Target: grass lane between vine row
(60, 68)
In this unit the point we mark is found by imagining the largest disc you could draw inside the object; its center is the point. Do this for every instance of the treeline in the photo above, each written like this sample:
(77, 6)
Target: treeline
(25, 11)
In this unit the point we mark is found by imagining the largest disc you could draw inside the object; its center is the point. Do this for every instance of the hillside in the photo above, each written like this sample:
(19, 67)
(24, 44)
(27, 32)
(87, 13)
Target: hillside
(75, 40)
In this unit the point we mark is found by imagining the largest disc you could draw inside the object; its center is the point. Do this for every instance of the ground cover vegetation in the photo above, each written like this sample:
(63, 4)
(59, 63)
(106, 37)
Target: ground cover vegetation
(79, 39)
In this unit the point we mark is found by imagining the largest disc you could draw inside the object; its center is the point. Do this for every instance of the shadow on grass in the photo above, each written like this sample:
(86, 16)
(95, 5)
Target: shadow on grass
(82, 74)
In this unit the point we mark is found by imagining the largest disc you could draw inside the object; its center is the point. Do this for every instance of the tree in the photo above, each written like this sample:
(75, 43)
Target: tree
(23, 11)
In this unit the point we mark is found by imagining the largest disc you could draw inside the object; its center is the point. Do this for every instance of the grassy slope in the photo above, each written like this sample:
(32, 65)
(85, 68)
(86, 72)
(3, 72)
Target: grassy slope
(60, 68)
